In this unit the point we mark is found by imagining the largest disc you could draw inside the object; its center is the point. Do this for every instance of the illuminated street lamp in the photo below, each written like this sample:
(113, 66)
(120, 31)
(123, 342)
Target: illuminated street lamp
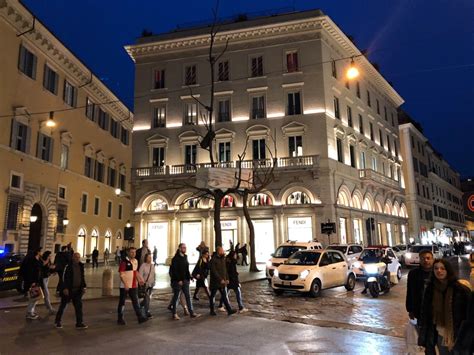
(352, 72)
(65, 222)
(33, 219)
(50, 123)
(118, 191)
(128, 224)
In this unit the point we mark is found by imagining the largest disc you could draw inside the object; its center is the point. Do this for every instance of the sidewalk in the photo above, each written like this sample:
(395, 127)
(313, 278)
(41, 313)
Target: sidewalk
(11, 299)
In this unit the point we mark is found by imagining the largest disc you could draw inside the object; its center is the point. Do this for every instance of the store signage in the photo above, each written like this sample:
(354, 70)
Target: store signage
(223, 178)
(226, 225)
(328, 228)
(300, 222)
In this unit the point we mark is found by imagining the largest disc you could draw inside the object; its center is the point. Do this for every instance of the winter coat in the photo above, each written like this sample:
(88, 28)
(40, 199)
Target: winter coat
(68, 276)
(233, 274)
(460, 304)
(218, 271)
(31, 271)
(465, 340)
(415, 291)
(61, 260)
(179, 269)
(201, 269)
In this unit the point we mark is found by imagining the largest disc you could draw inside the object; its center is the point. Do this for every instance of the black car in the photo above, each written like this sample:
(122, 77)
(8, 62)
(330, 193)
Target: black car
(9, 271)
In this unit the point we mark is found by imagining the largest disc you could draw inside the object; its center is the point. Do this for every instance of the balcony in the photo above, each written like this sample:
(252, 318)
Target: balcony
(287, 163)
(372, 177)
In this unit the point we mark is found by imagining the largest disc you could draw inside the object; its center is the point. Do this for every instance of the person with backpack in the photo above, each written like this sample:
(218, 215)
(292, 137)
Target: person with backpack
(200, 273)
(234, 283)
(147, 273)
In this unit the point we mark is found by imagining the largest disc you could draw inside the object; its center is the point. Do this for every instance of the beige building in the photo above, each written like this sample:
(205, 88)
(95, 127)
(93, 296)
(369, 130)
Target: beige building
(280, 83)
(58, 183)
(433, 188)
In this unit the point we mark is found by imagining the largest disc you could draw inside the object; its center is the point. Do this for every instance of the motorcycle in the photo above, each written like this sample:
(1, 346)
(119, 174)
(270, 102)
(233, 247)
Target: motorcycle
(377, 278)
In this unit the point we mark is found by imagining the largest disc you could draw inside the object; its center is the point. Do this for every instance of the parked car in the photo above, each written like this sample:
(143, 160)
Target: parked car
(412, 257)
(283, 252)
(312, 271)
(400, 251)
(350, 251)
(465, 248)
(9, 271)
(372, 253)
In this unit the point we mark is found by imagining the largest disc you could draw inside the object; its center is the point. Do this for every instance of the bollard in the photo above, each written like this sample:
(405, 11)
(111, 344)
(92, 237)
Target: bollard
(107, 282)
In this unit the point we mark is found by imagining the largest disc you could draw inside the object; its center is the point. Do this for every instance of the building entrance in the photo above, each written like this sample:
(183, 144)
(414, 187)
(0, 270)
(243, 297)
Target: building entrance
(36, 228)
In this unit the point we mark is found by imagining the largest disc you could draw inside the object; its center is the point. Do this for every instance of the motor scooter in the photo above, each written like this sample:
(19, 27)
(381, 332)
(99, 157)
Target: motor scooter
(377, 277)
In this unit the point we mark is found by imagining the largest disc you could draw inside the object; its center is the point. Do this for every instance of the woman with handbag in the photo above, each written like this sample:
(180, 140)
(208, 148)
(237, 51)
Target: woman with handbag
(47, 270)
(31, 272)
(147, 273)
(200, 273)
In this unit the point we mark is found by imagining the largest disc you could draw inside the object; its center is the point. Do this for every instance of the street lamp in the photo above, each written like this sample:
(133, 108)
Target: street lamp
(118, 191)
(65, 222)
(50, 123)
(128, 224)
(33, 219)
(352, 72)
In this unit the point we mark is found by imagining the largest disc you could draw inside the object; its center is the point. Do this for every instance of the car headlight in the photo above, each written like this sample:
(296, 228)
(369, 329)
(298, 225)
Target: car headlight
(269, 263)
(275, 273)
(408, 255)
(304, 274)
(468, 247)
(357, 264)
(372, 269)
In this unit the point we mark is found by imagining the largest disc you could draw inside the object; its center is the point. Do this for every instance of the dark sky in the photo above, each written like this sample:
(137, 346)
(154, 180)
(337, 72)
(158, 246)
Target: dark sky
(424, 47)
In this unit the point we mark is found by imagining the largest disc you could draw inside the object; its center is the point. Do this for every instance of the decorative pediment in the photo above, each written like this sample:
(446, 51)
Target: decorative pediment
(294, 129)
(66, 138)
(351, 138)
(258, 131)
(112, 163)
(21, 115)
(190, 137)
(157, 140)
(363, 144)
(122, 169)
(339, 131)
(224, 134)
(100, 156)
(89, 150)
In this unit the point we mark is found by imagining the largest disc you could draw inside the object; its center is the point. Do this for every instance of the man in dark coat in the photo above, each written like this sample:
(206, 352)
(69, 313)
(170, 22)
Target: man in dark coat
(30, 271)
(417, 281)
(219, 281)
(60, 261)
(95, 258)
(142, 252)
(73, 288)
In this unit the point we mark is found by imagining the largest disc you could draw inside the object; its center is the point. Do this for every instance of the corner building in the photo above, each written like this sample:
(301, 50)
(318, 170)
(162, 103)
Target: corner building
(282, 80)
(69, 172)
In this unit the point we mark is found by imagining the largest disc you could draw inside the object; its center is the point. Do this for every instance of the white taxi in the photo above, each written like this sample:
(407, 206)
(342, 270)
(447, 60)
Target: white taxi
(283, 252)
(312, 271)
(350, 251)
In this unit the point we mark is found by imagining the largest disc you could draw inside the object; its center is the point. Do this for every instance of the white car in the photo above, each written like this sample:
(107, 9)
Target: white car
(312, 271)
(400, 251)
(412, 256)
(284, 251)
(373, 254)
(350, 251)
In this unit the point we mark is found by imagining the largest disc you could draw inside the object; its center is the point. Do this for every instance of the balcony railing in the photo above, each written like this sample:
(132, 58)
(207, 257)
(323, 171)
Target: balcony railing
(373, 176)
(287, 163)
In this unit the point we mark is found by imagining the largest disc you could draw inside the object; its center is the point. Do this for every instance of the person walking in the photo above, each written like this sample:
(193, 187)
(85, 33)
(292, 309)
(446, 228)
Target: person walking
(144, 250)
(129, 279)
(417, 281)
(202, 247)
(106, 256)
(237, 251)
(95, 258)
(73, 288)
(30, 271)
(47, 270)
(234, 283)
(444, 309)
(147, 273)
(60, 262)
(155, 255)
(200, 273)
(244, 253)
(219, 281)
(180, 279)
(117, 255)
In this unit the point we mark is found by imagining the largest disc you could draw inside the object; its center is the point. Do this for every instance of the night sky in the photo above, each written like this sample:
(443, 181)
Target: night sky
(424, 47)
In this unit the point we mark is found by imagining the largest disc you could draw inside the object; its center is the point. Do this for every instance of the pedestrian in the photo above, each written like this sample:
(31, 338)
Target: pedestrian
(219, 281)
(180, 279)
(155, 255)
(200, 273)
(234, 283)
(444, 309)
(142, 252)
(47, 270)
(30, 271)
(73, 288)
(129, 279)
(106, 256)
(202, 247)
(244, 253)
(60, 262)
(237, 251)
(147, 273)
(182, 302)
(417, 281)
(95, 258)
(117, 255)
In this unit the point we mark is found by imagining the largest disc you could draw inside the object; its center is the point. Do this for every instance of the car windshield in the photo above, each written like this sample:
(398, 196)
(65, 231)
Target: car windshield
(300, 258)
(341, 248)
(371, 255)
(418, 248)
(401, 247)
(286, 250)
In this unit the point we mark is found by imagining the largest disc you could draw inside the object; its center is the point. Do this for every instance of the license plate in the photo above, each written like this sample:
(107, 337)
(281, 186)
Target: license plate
(287, 283)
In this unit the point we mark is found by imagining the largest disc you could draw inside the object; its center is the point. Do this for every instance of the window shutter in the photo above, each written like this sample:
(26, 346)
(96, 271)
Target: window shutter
(51, 150)
(13, 133)
(21, 59)
(56, 79)
(297, 103)
(45, 76)
(26, 143)
(38, 145)
(33, 71)
(291, 107)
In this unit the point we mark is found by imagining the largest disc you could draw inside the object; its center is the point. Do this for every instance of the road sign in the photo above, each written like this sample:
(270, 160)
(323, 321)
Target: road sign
(328, 228)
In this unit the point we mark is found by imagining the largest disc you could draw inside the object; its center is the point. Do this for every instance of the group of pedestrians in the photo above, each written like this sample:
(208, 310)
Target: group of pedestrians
(442, 307)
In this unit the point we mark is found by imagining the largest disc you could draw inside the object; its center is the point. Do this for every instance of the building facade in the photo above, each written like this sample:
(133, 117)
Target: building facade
(58, 183)
(433, 189)
(282, 98)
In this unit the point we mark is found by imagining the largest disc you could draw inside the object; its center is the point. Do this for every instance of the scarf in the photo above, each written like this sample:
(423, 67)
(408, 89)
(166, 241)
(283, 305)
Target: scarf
(443, 311)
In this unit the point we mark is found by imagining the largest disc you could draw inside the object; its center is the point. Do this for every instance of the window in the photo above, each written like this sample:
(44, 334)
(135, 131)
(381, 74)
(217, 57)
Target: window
(361, 124)
(64, 156)
(362, 160)
(50, 80)
(89, 167)
(257, 66)
(292, 62)
(84, 203)
(389, 146)
(334, 69)
(349, 116)
(298, 198)
(103, 120)
(358, 89)
(190, 154)
(224, 152)
(340, 156)
(114, 128)
(368, 99)
(294, 103)
(337, 113)
(15, 181)
(109, 209)
(385, 113)
(258, 107)
(20, 136)
(352, 155)
(27, 62)
(378, 105)
(159, 116)
(295, 146)
(62, 192)
(381, 138)
(124, 136)
(111, 177)
(60, 227)
(70, 94)
(258, 149)
(120, 211)
(418, 188)
(223, 71)
(371, 126)
(159, 79)
(190, 113)
(90, 109)
(223, 110)
(190, 75)
(45, 147)
(99, 171)
(158, 156)
(96, 206)
(412, 142)
(415, 164)
(122, 182)
(393, 121)
(396, 147)
(12, 215)
(374, 163)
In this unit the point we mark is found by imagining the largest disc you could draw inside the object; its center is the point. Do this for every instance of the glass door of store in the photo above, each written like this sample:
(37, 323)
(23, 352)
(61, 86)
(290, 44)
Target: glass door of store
(191, 235)
(264, 240)
(158, 237)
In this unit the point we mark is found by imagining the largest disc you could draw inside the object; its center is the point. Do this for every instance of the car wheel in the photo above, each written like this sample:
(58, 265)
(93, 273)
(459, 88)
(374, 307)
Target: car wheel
(315, 289)
(374, 289)
(278, 292)
(399, 273)
(351, 282)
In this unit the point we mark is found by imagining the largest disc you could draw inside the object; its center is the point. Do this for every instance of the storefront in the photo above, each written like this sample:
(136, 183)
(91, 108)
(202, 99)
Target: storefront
(158, 237)
(94, 240)
(264, 239)
(107, 241)
(300, 229)
(389, 234)
(229, 233)
(81, 242)
(342, 230)
(191, 235)
(358, 231)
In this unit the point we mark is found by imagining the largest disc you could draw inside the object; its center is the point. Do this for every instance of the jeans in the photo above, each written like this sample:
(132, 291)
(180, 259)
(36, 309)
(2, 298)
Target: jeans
(47, 301)
(145, 304)
(184, 288)
(132, 292)
(76, 298)
(30, 309)
(238, 295)
(224, 298)
(95, 262)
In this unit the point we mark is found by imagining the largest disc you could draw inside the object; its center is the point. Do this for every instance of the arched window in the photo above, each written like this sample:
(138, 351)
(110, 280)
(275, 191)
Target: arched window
(190, 203)
(367, 205)
(94, 240)
(298, 198)
(157, 205)
(343, 198)
(260, 200)
(228, 201)
(108, 235)
(81, 241)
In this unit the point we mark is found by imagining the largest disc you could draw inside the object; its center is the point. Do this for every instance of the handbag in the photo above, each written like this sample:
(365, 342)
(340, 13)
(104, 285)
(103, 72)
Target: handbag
(143, 288)
(35, 293)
